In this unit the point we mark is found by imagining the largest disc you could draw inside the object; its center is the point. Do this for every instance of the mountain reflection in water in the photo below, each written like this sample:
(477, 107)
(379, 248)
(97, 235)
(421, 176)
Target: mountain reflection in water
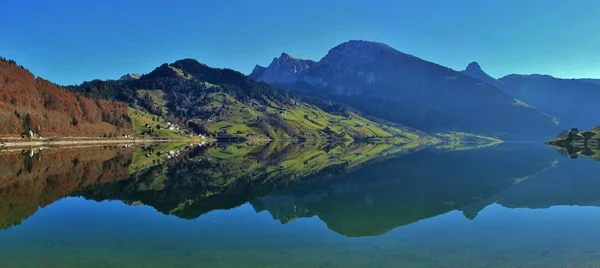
(356, 190)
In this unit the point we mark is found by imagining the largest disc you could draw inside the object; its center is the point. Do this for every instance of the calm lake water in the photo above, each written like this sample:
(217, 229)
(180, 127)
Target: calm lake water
(286, 205)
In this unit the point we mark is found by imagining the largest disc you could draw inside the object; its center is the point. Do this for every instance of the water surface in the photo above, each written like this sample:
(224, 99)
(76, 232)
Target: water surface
(286, 205)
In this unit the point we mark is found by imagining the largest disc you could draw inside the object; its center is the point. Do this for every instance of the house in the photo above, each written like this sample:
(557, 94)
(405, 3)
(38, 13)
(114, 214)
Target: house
(172, 126)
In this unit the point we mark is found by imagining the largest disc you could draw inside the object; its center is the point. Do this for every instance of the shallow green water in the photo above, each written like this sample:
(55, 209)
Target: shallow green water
(506, 206)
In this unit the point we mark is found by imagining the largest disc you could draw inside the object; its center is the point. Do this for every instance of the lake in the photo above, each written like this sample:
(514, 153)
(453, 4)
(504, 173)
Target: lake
(298, 205)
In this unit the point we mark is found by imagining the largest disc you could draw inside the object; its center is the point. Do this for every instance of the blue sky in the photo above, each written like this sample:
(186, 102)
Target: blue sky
(69, 41)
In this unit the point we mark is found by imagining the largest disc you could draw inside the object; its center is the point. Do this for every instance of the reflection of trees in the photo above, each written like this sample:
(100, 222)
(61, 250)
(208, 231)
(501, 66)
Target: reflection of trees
(29, 180)
(226, 176)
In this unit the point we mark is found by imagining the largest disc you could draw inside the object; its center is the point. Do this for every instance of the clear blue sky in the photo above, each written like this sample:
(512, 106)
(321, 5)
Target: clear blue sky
(69, 41)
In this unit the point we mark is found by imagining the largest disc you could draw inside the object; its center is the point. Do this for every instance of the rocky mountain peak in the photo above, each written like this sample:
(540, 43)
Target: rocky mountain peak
(474, 70)
(130, 76)
(473, 66)
(284, 69)
(257, 72)
(285, 56)
(361, 50)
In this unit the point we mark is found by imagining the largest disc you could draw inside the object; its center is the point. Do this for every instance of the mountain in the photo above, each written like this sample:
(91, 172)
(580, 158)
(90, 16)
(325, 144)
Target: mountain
(568, 100)
(226, 103)
(386, 83)
(474, 70)
(284, 69)
(572, 101)
(30, 103)
(257, 72)
(591, 81)
(130, 77)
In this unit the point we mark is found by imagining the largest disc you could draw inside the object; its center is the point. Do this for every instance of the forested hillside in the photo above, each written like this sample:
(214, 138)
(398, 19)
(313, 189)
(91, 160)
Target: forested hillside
(30, 103)
(223, 102)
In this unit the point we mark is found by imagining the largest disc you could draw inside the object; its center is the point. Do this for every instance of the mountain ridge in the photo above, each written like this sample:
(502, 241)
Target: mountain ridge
(414, 92)
(568, 100)
(224, 102)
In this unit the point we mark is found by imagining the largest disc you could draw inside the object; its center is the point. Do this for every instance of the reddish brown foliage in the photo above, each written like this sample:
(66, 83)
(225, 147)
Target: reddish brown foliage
(52, 109)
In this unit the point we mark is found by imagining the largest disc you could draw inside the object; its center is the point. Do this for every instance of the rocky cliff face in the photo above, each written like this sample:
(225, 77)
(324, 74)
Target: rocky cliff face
(285, 69)
(257, 72)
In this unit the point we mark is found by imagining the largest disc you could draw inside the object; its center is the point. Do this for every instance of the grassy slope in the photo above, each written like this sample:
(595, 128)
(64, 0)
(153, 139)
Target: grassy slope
(139, 119)
(240, 119)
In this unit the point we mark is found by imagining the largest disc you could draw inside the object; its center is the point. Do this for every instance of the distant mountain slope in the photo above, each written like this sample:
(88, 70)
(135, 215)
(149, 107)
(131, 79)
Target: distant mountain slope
(572, 101)
(30, 103)
(395, 86)
(226, 103)
(591, 81)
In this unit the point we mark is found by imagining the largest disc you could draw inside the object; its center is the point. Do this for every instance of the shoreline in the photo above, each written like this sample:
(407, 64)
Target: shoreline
(4, 143)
